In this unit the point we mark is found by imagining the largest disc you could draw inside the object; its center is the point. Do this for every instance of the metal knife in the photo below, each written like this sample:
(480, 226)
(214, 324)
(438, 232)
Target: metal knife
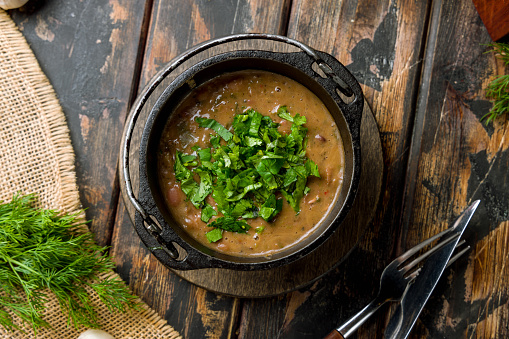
(419, 292)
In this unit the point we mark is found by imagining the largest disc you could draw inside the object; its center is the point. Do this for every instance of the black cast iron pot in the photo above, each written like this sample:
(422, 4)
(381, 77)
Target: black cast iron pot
(154, 222)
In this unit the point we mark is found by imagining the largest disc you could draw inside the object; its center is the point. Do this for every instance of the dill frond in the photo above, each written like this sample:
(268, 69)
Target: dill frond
(41, 253)
(498, 89)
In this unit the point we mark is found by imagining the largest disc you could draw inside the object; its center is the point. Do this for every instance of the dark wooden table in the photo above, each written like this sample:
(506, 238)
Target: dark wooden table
(423, 68)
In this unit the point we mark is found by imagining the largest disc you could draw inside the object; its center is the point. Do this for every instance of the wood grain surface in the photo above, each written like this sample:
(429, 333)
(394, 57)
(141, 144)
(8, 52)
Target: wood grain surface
(373, 40)
(456, 160)
(423, 69)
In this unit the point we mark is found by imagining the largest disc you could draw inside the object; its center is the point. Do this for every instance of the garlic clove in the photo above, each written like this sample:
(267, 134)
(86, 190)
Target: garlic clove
(10, 4)
(95, 334)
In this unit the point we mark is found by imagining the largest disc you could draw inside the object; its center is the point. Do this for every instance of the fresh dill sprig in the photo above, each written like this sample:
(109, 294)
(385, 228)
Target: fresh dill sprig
(498, 89)
(42, 252)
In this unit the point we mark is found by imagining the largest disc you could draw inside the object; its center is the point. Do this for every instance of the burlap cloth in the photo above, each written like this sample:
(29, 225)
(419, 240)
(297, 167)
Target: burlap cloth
(36, 156)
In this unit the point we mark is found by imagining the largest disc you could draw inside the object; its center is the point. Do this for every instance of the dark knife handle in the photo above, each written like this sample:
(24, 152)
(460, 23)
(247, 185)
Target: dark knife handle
(334, 335)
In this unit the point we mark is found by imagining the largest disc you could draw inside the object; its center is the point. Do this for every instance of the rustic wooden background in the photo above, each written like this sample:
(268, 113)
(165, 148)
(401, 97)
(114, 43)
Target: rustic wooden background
(423, 68)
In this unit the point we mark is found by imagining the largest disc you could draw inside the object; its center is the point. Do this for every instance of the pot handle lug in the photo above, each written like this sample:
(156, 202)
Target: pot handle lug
(155, 231)
(345, 83)
(164, 249)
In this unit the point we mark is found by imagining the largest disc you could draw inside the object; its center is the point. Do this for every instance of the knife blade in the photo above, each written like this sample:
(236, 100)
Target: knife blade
(418, 293)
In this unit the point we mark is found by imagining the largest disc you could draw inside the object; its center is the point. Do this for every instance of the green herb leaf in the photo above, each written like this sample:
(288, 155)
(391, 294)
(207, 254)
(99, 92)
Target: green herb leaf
(312, 168)
(207, 212)
(215, 141)
(271, 208)
(181, 171)
(223, 156)
(246, 190)
(295, 197)
(268, 167)
(256, 120)
(243, 208)
(187, 159)
(219, 196)
(204, 189)
(230, 224)
(189, 187)
(283, 113)
(290, 177)
(213, 124)
(204, 154)
(215, 235)
(251, 142)
(298, 193)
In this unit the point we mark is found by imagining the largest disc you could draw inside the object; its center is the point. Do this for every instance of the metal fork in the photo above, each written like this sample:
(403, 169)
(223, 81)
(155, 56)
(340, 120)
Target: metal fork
(395, 279)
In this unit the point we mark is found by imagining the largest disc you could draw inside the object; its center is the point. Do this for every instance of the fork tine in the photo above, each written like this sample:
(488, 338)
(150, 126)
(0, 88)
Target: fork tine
(461, 242)
(455, 257)
(413, 275)
(435, 248)
(421, 245)
(459, 254)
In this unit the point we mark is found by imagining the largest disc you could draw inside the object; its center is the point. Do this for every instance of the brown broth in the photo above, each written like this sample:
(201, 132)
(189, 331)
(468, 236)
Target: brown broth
(222, 98)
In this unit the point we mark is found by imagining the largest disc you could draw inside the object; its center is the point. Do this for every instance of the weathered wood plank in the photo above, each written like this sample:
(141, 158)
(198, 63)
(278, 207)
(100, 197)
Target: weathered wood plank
(88, 49)
(176, 26)
(376, 42)
(456, 159)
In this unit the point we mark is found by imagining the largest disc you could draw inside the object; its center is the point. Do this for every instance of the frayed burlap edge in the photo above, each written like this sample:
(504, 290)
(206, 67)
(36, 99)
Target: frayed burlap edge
(145, 323)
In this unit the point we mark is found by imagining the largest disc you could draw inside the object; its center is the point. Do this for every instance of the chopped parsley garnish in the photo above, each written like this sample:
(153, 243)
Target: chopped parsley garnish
(215, 235)
(220, 129)
(248, 173)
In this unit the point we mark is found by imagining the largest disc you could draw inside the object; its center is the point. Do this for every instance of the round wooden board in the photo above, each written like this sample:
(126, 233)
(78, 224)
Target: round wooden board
(279, 280)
